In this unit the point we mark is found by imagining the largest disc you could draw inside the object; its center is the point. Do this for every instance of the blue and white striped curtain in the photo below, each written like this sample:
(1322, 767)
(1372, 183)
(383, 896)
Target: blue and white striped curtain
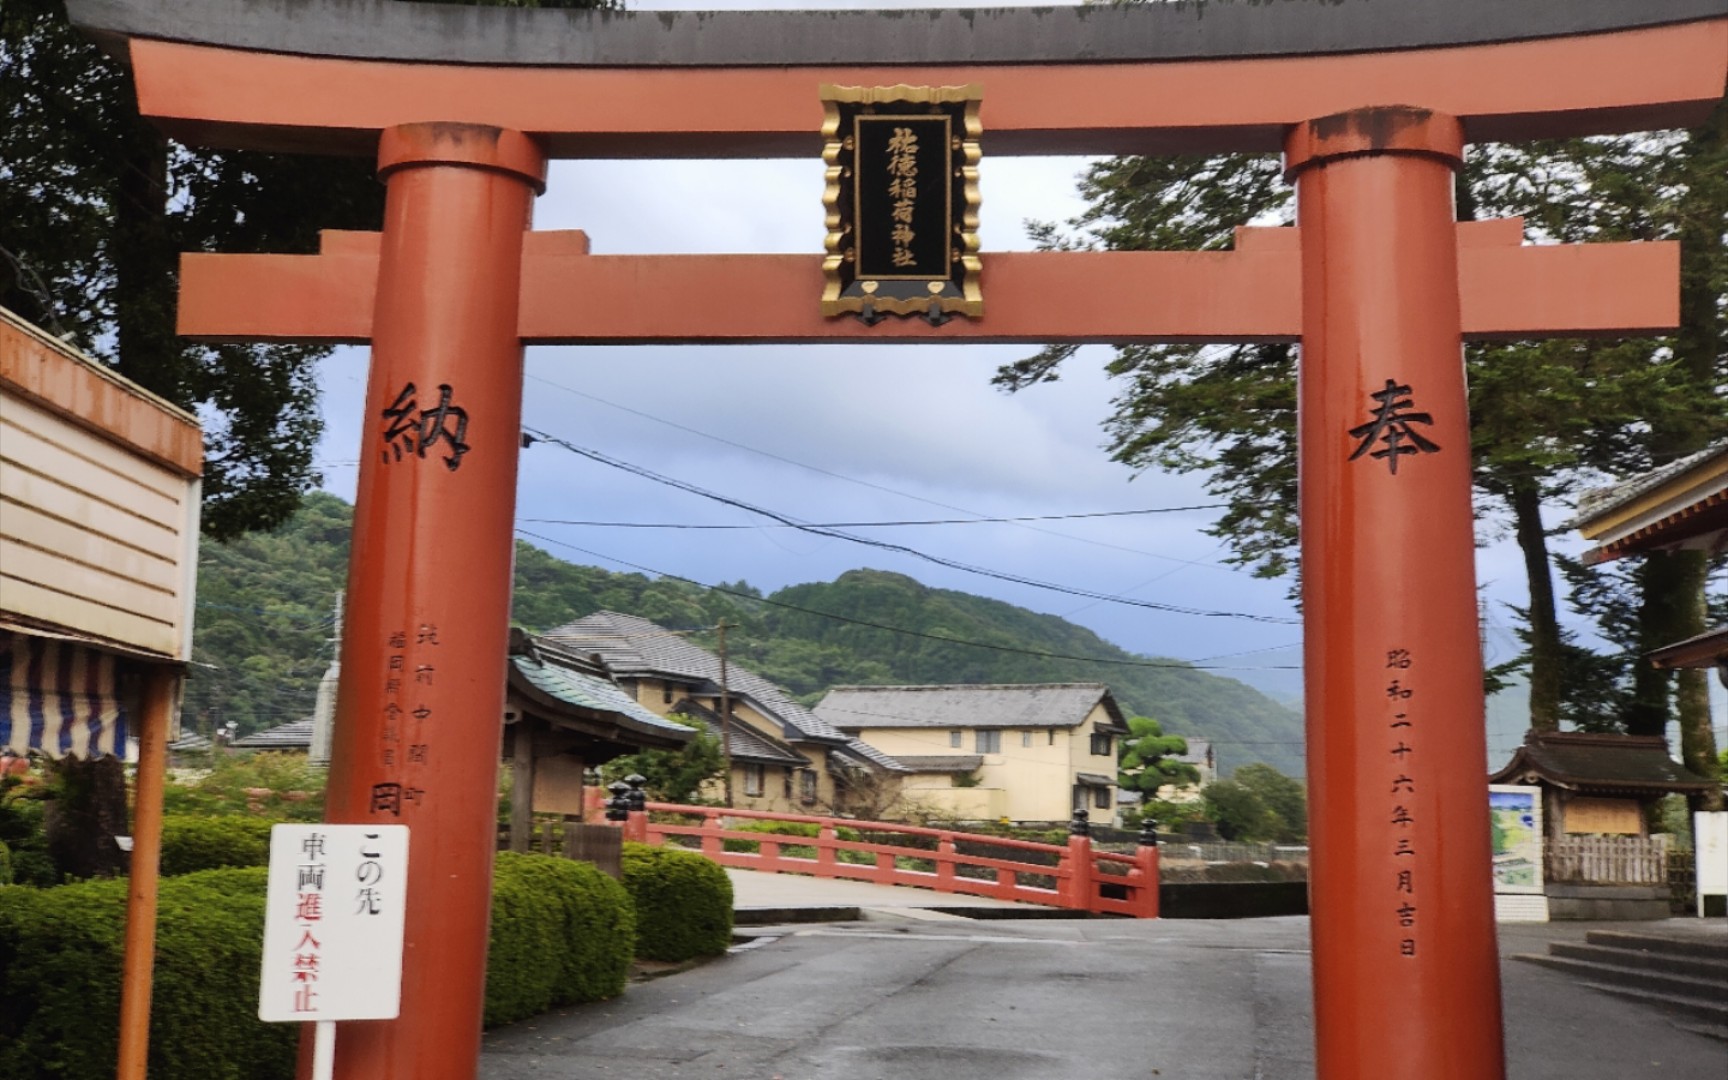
(61, 699)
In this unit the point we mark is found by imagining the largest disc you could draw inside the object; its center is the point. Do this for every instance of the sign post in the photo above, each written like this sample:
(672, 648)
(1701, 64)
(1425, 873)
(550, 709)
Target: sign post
(334, 911)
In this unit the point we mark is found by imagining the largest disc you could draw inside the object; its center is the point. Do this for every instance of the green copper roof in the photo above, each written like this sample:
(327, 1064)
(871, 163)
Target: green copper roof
(590, 692)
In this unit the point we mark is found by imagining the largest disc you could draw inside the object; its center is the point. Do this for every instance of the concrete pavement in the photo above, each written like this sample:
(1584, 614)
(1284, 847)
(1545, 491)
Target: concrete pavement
(901, 997)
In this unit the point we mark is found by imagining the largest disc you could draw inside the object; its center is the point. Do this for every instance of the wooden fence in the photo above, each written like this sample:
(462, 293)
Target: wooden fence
(1073, 876)
(1608, 860)
(601, 845)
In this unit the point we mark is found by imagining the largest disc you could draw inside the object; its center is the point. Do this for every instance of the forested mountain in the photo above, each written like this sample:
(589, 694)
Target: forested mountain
(265, 632)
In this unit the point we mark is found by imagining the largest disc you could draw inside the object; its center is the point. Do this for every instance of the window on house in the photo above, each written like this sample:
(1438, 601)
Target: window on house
(1025, 738)
(1100, 744)
(1101, 798)
(666, 693)
(807, 786)
(788, 781)
(753, 779)
(954, 739)
(988, 742)
(1052, 734)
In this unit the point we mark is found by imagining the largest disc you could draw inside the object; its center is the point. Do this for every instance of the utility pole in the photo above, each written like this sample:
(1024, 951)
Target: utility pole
(725, 710)
(324, 707)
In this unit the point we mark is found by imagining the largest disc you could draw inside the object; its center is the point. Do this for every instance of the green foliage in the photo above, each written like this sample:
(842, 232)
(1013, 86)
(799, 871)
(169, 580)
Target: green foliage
(190, 844)
(267, 601)
(1547, 418)
(1188, 701)
(21, 830)
(274, 785)
(100, 205)
(1144, 763)
(1172, 817)
(60, 953)
(104, 206)
(1286, 798)
(5, 864)
(1237, 811)
(683, 903)
(562, 932)
(677, 775)
(1258, 804)
(794, 828)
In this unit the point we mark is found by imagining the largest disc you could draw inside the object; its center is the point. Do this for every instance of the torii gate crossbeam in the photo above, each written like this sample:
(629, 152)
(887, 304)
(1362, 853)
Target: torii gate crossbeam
(1371, 104)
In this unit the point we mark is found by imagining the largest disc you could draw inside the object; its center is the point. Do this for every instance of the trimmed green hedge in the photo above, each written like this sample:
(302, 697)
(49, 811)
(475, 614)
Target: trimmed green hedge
(683, 903)
(60, 953)
(191, 844)
(562, 932)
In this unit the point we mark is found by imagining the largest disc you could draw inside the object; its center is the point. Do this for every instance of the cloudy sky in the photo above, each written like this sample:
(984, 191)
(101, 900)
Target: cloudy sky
(864, 434)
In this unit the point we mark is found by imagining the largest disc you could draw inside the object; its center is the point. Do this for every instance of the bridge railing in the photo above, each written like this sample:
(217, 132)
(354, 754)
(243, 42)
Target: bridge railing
(1072, 875)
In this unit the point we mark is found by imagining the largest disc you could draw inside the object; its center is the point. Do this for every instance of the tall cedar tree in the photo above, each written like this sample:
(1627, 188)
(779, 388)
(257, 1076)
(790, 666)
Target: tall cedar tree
(1548, 417)
(95, 208)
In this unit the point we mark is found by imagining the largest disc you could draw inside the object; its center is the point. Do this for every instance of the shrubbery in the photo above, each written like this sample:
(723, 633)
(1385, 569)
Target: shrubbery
(190, 844)
(794, 828)
(562, 932)
(60, 953)
(272, 784)
(683, 903)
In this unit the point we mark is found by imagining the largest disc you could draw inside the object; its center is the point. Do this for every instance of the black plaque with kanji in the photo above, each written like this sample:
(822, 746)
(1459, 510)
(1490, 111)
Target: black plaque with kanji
(902, 202)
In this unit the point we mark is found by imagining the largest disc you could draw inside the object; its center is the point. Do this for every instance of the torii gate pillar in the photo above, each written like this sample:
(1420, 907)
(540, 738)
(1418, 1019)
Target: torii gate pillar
(1403, 917)
(427, 634)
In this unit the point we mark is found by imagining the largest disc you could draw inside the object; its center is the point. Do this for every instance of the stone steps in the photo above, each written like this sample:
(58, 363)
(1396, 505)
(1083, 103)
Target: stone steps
(1685, 976)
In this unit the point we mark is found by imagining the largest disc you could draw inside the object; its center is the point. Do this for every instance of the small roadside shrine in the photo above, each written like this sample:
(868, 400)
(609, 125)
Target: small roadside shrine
(1600, 859)
(98, 556)
(1681, 506)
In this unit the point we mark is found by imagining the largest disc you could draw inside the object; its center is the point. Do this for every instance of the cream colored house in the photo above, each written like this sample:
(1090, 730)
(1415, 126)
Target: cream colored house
(784, 758)
(1027, 753)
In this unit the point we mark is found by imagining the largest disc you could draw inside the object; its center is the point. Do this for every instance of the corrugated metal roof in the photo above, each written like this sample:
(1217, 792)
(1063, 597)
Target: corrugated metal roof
(294, 735)
(633, 646)
(1029, 705)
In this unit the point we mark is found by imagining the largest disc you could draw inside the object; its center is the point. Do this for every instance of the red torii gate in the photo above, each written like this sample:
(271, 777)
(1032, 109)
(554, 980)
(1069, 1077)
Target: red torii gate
(1371, 105)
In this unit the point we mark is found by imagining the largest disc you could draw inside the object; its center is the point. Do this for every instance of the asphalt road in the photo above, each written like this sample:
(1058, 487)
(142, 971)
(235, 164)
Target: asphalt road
(923, 998)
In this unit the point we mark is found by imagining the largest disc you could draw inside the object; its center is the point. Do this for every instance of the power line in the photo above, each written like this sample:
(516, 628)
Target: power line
(877, 524)
(686, 429)
(953, 564)
(1178, 665)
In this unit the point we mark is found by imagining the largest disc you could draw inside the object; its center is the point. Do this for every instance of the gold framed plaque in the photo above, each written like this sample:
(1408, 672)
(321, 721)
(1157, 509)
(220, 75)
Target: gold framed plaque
(901, 201)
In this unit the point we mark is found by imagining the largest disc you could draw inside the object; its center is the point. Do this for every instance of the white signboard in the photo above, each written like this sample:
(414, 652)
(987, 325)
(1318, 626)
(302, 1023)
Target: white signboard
(333, 918)
(1710, 843)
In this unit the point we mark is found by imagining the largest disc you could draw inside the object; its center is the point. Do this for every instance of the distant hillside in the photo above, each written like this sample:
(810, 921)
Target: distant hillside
(265, 606)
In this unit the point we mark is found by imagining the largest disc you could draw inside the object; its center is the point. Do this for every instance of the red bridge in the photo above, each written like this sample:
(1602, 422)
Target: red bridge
(1072, 875)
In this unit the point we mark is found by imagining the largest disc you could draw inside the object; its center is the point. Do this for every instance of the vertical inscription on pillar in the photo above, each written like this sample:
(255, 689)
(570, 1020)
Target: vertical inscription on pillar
(1390, 429)
(410, 667)
(1401, 710)
(410, 430)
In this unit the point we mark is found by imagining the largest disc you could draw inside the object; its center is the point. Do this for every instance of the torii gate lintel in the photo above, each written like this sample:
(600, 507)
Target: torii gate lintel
(1371, 105)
